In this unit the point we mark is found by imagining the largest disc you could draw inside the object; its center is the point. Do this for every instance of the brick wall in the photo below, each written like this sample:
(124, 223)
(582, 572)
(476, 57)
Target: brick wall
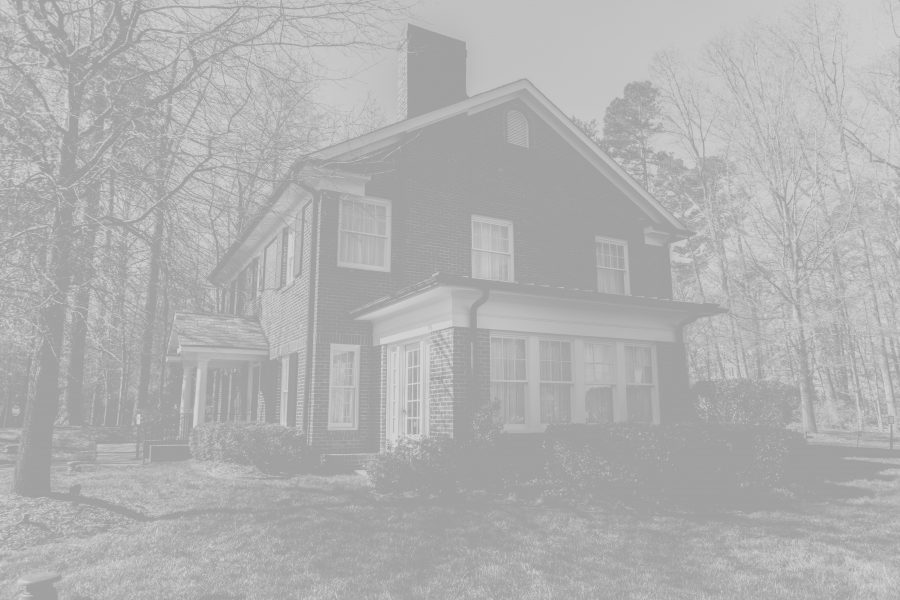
(557, 203)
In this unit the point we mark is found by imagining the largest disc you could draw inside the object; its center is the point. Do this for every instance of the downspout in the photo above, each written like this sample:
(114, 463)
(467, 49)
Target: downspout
(473, 345)
(312, 298)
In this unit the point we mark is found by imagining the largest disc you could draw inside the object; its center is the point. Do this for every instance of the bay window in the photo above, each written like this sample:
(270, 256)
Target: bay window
(509, 378)
(556, 381)
(536, 381)
(600, 381)
(639, 383)
(364, 234)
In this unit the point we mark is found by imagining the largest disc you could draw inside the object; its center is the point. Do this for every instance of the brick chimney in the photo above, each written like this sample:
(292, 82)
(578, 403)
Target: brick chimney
(432, 72)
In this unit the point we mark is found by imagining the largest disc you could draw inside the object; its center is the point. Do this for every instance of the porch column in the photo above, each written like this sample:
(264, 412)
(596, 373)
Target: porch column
(185, 409)
(200, 396)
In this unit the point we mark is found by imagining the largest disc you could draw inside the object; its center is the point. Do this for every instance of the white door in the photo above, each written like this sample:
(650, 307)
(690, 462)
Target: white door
(407, 406)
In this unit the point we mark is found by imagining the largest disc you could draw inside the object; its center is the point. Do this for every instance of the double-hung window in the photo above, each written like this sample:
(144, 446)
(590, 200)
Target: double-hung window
(599, 381)
(509, 378)
(364, 234)
(612, 266)
(272, 269)
(556, 381)
(285, 390)
(492, 249)
(343, 391)
(639, 380)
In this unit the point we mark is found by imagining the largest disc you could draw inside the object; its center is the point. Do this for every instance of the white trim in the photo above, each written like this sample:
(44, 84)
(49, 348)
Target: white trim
(597, 267)
(448, 306)
(386, 268)
(335, 348)
(285, 392)
(512, 245)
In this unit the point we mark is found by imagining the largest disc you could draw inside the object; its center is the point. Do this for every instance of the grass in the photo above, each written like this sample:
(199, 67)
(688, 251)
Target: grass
(185, 531)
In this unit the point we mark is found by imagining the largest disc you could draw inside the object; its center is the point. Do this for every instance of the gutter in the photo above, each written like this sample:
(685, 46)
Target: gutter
(473, 345)
(312, 301)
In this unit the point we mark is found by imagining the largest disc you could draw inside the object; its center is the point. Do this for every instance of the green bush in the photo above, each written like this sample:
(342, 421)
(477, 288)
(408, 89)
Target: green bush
(423, 465)
(746, 402)
(684, 459)
(273, 449)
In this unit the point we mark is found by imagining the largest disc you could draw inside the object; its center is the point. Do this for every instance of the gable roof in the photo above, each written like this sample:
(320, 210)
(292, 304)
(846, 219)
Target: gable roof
(349, 151)
(198, 331)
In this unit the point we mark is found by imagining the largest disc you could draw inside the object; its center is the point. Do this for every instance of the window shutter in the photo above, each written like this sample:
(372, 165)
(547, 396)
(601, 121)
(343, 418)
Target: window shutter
(517, 128)
(282, 259)
(299, 233)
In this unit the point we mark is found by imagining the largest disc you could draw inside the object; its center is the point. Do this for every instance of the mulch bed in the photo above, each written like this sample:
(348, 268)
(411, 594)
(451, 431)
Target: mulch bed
(28, 522)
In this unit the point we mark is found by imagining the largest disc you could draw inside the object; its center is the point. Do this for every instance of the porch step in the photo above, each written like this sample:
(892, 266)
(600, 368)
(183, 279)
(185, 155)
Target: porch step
(346, 462)
(165, 451)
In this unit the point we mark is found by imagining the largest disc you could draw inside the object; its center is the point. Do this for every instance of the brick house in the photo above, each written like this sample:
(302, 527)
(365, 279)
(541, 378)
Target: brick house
(480, 252)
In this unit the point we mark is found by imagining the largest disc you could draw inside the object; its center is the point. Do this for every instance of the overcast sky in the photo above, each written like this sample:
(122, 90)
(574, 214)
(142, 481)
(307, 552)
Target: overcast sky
(581, 53)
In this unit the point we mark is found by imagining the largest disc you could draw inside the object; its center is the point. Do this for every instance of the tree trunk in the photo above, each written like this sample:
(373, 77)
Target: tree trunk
(81, 280)
(150, 306)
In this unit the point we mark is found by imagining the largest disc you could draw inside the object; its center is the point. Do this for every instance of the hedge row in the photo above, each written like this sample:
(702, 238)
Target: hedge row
(273, 449)
(618, 459)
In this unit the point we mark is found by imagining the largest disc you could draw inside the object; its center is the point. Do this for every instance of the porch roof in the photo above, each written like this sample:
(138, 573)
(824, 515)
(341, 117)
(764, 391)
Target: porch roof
(196, 332)
(693, 309)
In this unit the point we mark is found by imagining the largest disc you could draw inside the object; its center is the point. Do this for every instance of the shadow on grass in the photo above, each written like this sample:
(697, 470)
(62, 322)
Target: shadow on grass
(828, 472)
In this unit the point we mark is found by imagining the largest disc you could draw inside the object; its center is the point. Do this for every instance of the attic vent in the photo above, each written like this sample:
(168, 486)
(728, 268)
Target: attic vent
(516, 128)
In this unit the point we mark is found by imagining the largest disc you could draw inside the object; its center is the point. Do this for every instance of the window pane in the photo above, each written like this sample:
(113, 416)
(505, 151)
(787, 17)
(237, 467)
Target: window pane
(508, 378)
(491, 250)
(600, 363)
(556, 403)
(638, 364)
(598, 404)
(363, 235)
(640, 404)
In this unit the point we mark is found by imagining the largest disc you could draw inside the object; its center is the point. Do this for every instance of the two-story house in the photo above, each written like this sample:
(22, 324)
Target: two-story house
(481, 251)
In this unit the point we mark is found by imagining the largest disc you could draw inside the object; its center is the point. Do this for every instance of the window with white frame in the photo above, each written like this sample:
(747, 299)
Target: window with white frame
(639, 383)
(517, 132)
(600, 376)
(272, 265)
(364, 234)
(343, 391)
(556, 381)
(413, 388)
(285, 380)
(492, 249)
(289, 241)
(509, 378)
(612, 266)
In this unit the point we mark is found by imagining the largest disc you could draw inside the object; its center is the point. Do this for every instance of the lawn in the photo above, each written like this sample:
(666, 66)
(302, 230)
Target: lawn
(187, 531)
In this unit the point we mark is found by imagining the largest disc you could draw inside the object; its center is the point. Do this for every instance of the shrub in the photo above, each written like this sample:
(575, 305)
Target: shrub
(685, 459)
(426, 465)
(746, 402)
(273, 449)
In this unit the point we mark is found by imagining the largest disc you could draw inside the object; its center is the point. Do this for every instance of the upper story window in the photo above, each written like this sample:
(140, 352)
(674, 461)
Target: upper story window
(612, 266)
(271, 265)
(492, 249)
(517, 132)
(364, 234)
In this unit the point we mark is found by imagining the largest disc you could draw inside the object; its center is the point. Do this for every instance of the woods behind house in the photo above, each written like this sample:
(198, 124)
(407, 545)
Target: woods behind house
(137, 138)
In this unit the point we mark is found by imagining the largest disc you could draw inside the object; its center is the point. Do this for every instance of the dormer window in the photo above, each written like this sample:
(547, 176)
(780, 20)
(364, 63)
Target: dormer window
(517, 132)
(612, 266)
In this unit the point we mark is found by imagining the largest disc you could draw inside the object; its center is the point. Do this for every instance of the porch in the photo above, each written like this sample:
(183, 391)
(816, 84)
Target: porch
(221, 358)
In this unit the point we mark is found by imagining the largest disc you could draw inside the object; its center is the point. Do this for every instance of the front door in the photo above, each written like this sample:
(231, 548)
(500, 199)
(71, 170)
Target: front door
(407, 389)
